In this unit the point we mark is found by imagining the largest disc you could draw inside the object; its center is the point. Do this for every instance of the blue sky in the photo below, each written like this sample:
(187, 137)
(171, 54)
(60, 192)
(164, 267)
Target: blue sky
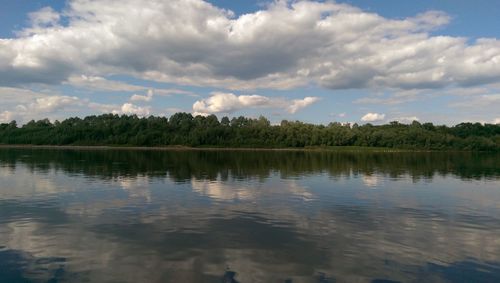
(316, 61)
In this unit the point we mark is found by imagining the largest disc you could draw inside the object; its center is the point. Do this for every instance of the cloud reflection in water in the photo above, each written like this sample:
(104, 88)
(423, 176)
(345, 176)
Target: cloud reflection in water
(208, 215)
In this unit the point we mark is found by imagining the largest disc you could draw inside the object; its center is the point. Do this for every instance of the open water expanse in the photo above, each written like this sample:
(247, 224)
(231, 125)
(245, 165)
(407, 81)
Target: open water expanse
(248, 216)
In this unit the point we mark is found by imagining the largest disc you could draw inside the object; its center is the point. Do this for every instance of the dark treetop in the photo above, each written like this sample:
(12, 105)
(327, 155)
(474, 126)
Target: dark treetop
(184, 129)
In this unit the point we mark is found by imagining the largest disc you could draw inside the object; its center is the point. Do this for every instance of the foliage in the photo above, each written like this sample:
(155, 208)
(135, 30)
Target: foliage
(184, 129)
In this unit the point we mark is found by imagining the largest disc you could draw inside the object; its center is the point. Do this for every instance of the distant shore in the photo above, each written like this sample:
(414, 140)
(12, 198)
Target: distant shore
(188, 148)
(183, 131)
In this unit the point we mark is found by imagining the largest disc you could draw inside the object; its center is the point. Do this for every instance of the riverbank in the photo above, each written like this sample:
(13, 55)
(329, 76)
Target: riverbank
(188, 148)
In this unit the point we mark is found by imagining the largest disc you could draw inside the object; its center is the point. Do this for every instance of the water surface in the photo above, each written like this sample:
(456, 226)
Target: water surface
(244, 216)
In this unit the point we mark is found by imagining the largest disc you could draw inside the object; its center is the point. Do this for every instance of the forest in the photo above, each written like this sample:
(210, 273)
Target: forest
(184, 129)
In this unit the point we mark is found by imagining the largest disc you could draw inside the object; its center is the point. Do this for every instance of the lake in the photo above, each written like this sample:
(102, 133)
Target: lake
(248, 216)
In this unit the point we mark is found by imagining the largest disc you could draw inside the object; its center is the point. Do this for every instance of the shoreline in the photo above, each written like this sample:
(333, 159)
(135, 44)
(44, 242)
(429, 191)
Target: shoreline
(146, 148)
(188, 148)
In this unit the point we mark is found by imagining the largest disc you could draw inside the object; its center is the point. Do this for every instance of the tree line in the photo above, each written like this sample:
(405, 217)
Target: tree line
(200, 131)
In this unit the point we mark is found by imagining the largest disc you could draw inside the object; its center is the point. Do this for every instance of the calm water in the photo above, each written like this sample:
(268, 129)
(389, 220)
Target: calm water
(159, 216)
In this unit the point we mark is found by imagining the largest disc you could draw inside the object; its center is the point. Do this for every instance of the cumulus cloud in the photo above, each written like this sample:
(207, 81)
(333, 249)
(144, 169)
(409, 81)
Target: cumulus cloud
(53, 103)
(40, 107)
(131, 109)
(373, 117)
(220, 102)
(284, 45)
(24, 105)
(137, 97)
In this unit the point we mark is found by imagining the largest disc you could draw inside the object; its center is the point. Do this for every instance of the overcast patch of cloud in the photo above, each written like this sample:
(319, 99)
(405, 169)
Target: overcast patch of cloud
(284, 45)
(373, 117)
(227, 103)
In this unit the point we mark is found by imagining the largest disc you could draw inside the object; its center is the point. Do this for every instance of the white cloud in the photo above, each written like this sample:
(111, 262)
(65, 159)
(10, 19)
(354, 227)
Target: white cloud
(7, 116)
(406, 119)
(131, 109)
(100, 83)
(496, 121)
(96, 83)
(44, 17)
(228, 103)
(137, 97)
(479, 101)
(394, 98)
(25, 105)
(171, 91)
(41, 107)
(103, 108)
(103, 84)
(52, 103)
(284, 45)
(373, 117)
(13, 96)
(298, 104)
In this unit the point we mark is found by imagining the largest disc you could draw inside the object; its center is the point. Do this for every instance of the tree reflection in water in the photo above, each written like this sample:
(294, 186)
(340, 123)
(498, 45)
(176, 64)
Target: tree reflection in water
(245, 216)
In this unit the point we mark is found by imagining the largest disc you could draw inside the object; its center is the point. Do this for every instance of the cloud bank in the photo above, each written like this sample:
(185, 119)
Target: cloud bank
(284, 45)
(40, 106)
(29, 105)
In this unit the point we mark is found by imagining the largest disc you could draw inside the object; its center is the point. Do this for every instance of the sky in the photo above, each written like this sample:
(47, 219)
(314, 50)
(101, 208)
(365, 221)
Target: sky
(357, 61)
